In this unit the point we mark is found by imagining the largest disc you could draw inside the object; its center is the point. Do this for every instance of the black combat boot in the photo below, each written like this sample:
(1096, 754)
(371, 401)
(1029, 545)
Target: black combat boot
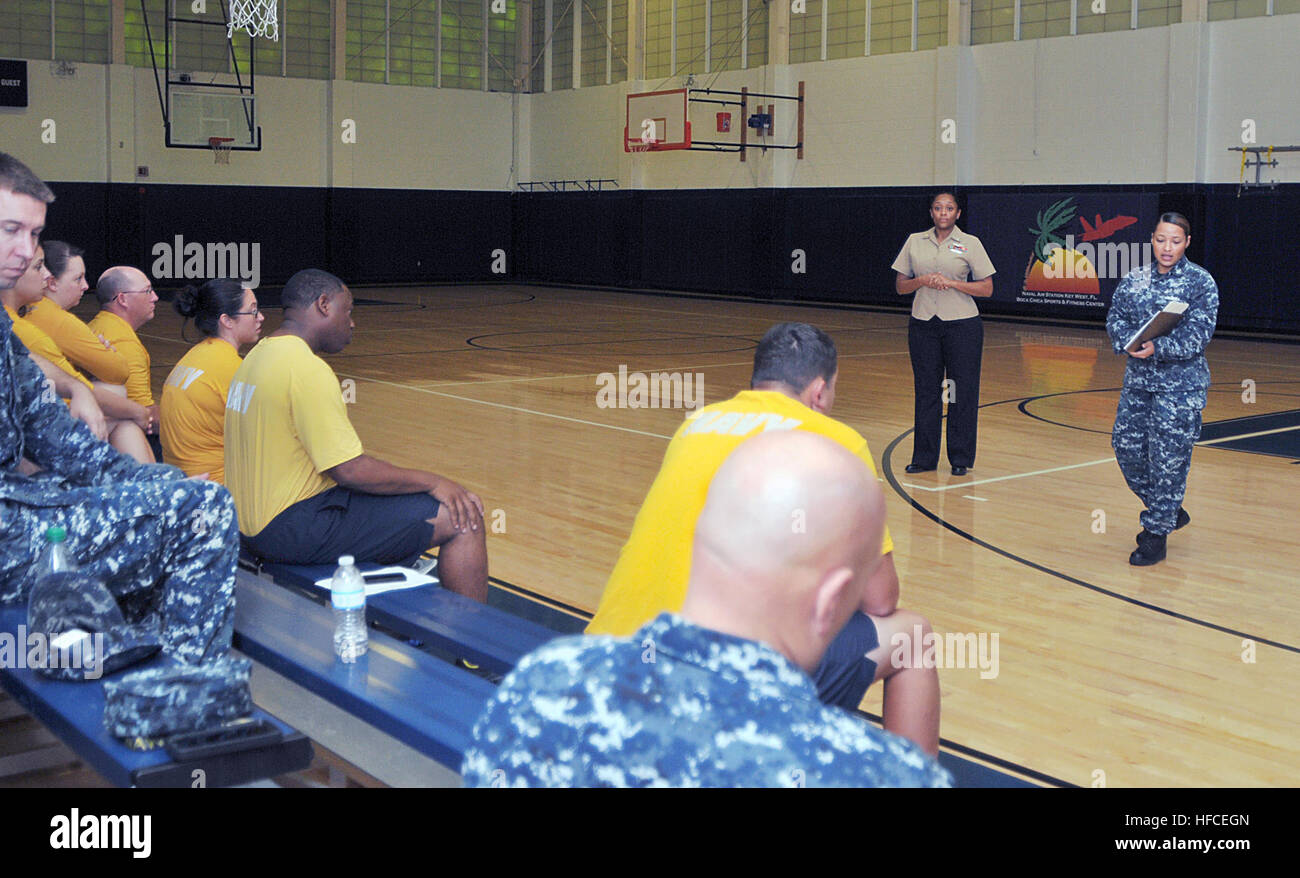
(1182, 522)
(1150, 550)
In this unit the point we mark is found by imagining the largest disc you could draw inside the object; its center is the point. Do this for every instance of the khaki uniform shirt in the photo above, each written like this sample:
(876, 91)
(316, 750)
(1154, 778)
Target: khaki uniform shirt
(960, 257)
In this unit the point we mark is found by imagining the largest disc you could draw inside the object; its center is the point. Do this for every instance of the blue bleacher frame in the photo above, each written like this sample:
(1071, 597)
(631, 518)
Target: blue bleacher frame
(74, 712)
(402, 691)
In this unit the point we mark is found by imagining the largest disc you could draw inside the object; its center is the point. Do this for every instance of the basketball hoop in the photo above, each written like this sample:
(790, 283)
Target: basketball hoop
(256, 17)
(220, 147)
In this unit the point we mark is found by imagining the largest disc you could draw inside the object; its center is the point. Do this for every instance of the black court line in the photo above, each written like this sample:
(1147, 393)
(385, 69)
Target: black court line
(528, 297)
(556, 606)
(883, 308)
(980, 754)
(537, 597)
(888, 469)
(1230, 388)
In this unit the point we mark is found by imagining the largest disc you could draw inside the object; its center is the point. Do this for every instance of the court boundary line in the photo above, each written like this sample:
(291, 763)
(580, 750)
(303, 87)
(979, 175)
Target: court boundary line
(887, 468)
(1055, 469)
(960, 750)
(1226, 387)
(501, 405)
(884, 308)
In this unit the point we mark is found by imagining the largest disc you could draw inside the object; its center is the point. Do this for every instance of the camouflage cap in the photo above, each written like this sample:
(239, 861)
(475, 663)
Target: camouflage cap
(67, 602)
(177, 697)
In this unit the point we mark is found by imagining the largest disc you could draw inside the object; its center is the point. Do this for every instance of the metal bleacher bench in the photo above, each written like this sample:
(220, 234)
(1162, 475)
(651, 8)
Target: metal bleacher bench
(408, 685)
(74, 712)
(432, 615)
(397, 688)
(420, 700)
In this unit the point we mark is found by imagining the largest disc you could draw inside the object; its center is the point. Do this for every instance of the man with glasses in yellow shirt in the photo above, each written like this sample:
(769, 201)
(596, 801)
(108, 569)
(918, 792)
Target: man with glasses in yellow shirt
(126, 302)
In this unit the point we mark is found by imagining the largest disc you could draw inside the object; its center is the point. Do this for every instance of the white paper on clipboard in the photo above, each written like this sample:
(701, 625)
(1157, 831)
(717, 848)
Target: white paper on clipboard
(410, 579)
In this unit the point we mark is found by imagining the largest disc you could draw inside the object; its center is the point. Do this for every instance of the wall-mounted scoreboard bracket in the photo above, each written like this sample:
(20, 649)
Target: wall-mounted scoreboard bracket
(1258, 157)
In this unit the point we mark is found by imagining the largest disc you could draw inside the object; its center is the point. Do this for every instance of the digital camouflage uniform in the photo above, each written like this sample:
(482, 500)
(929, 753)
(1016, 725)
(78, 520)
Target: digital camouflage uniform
(176, 698)
(682, 706)
(165, 546)
(1159, 416)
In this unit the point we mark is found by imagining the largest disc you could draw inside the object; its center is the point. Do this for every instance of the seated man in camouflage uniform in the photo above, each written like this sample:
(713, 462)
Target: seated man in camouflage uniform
(165, 545)
(720, 694)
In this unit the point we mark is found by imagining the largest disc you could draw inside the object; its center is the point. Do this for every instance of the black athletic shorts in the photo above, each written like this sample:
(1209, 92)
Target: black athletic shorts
(391, 529)
(846, 673)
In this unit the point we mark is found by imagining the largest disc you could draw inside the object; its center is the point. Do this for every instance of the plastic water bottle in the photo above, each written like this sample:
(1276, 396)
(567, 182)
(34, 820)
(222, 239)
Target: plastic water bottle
(348, 595)
(54, 557)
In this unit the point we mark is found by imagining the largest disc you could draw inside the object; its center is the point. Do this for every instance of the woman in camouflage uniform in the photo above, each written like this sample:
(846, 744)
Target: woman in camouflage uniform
(1159, 416)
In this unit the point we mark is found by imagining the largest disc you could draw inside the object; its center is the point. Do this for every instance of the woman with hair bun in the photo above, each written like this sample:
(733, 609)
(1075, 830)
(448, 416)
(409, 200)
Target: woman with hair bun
(79, 343)
(194, 396)
(1158, 419)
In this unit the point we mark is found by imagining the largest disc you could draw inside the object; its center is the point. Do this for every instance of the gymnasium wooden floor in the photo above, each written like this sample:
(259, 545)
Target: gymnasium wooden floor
(1182, 674)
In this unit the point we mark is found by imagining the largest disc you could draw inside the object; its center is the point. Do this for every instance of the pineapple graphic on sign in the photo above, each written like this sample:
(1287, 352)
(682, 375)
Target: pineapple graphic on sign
(1054, 268)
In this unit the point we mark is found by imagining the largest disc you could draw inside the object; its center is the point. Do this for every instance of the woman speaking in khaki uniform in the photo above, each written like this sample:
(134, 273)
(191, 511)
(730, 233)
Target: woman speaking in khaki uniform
(945, 267)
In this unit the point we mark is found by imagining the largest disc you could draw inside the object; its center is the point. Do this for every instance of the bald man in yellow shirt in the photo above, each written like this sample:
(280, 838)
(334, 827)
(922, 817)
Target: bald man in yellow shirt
(126, 302)
(792, 388)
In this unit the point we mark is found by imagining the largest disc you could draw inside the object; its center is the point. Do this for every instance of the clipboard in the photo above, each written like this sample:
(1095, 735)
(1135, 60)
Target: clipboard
(1160, 324)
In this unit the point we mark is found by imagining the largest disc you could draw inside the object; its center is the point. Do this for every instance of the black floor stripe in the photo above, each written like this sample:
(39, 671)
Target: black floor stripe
(1006, 764)
(951, 746)
(1230, 388)
(541, 598)
(888, 470)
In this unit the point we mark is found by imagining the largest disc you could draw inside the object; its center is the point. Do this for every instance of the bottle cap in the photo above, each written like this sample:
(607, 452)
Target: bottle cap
(346, 560)
(56, 534)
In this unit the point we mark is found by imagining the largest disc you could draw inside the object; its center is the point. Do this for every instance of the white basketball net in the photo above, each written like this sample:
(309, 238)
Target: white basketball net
(256, 17)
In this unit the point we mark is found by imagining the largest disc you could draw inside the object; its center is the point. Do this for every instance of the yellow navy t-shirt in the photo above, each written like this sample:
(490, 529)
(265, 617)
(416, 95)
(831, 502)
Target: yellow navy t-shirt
(193, 423)
(41, 344)
(655, 563)
(79, 344)
(123, 338)
(286, 424)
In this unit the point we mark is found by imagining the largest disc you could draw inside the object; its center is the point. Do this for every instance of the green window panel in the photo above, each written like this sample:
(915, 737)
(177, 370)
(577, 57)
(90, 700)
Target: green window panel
(891, 26)
(658, 38)
(305, 36)
(562, 45)
(594, 40)
(690, 36)
(992, 21)
(502, 44)
(619, 34)
(462, 44)
(757, 33)
(806, 33)
(1223, 9)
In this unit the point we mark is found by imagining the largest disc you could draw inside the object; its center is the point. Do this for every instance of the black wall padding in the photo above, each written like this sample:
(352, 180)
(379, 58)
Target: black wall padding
(737, 242)
(579, 237)
(398, 235)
